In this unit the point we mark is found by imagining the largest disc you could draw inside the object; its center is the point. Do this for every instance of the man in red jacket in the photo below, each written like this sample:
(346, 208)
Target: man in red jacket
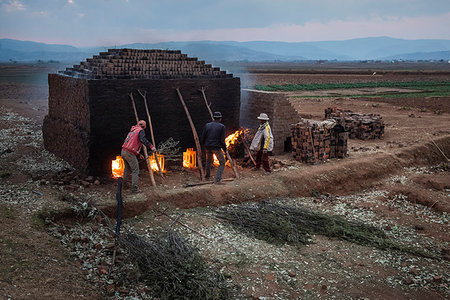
(130, 149)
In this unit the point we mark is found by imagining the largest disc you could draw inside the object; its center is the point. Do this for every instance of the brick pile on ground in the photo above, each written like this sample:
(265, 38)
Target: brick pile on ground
(313, 141)
(359, 126)
(143, 64)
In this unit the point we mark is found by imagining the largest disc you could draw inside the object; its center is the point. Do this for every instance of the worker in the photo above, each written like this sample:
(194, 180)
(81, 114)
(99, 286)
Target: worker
(262, 143)
(130, 151)
(213, 140)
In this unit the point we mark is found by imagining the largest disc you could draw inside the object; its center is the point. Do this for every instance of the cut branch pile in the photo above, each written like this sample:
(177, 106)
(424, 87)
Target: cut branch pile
(279, 224)
(172, 269)
(359, 126)
(313, 141)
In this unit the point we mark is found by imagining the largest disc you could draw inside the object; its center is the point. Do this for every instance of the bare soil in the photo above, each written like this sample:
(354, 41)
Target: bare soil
(399, 183)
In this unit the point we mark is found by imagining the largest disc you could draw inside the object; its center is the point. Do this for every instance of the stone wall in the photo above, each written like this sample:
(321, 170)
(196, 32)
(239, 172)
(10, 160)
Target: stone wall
(280, 111)
(89, 119)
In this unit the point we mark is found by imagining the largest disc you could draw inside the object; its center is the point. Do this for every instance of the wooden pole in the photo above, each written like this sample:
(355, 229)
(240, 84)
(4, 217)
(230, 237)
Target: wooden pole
(144, 97)
(150, 171)
(206, 182)
(246, 148)
(194, 132)
(208, 106)
(233, 165)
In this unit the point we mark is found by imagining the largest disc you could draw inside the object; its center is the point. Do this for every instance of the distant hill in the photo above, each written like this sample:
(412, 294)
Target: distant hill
(373, 48)
(439, 55)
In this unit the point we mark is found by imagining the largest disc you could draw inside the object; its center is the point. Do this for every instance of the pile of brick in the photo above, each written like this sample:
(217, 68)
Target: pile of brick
(313, 141)
(359, 126)
(143, 64)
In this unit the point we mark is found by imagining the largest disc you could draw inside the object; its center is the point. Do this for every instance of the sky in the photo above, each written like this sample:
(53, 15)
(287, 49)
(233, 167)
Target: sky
(116, 22)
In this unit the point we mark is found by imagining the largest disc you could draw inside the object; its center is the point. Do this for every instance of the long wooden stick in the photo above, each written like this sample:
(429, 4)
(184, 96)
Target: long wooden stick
(208, 106)
(206, 182)
(233, 165)
(246, 147)
(150, 171)
(440, 150)
(144, 97)
(194, 132)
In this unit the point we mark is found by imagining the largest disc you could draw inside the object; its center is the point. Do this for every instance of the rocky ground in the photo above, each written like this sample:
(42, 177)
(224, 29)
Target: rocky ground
(56, 243)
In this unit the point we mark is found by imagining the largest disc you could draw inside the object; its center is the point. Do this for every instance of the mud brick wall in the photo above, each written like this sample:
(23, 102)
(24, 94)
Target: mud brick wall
(66, 128)
(359, 126)
(280, 111)
(313, 142)
(89, 119)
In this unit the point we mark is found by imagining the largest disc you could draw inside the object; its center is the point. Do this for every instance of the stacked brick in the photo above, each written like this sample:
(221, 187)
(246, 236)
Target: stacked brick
(359, 126)
(314, 141)
(143, 64)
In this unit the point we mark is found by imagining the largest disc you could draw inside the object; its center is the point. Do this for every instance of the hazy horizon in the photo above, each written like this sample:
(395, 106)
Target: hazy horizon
(84, 23)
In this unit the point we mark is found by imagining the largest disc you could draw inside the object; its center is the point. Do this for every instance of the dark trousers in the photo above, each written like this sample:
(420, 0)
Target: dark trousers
(131, 165)
(209, 159)
(263, 158)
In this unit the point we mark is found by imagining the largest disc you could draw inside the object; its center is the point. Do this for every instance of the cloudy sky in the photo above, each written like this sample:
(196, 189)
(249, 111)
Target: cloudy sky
(115, 22)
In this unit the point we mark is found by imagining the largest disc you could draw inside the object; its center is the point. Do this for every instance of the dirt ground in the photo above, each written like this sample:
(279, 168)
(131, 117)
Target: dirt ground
(400, 184)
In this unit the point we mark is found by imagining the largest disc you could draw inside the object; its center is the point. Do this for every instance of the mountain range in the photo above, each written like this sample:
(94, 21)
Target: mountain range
(371, 48)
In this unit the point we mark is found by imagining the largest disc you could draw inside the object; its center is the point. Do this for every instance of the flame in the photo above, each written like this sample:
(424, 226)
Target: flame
(154, 165)
(229, 140)
(190, 158)
(215, 160)
(232, 138)
(117, 167)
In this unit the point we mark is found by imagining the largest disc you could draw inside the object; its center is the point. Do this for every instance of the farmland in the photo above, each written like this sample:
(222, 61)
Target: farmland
(390, 198)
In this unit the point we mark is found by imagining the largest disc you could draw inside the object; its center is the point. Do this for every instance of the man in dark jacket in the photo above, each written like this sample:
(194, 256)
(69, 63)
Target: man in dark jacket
(213, 140)
(130, 149)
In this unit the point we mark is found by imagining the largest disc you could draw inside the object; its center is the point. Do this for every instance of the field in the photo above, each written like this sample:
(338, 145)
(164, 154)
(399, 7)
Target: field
(385, 206)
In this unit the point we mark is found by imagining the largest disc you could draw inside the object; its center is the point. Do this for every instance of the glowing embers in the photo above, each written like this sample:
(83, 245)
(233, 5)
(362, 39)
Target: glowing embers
(154, 165)
(190, 158)
(117, 167)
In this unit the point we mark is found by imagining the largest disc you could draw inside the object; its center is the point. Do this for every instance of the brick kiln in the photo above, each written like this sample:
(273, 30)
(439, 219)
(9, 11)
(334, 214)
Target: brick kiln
(90, 111)
(280, 111)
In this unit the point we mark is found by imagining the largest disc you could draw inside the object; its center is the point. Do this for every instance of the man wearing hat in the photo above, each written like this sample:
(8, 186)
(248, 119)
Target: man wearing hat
(213, 140)
(130, 149)
(263, 144)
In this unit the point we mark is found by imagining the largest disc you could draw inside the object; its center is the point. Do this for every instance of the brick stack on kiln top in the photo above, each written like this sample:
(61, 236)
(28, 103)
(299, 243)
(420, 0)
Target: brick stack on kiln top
(144, 64)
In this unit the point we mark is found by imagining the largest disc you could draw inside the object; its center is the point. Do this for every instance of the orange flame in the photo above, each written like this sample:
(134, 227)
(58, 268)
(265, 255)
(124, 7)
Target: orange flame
(117, 167)
(190, 158)
(232, 138)
(154, 165)
(215, 160)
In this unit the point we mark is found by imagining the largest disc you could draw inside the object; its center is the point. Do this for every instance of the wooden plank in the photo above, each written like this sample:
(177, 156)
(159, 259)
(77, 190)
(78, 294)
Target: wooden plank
(194, 132)
(144, 97)
(150, 171)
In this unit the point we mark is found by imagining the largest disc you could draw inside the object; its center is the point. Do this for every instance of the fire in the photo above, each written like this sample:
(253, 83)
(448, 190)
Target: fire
(190, 158)
(117, 167)
(232, 138)
(229, 140)
(154, 165)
